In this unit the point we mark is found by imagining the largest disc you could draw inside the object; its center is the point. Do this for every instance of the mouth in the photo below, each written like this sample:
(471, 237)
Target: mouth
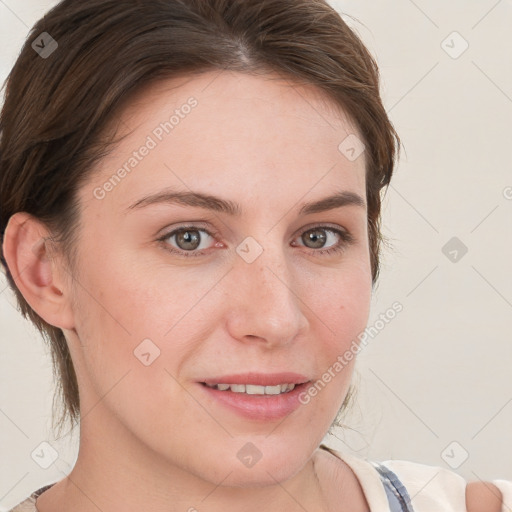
(253, 389)
(255, 399)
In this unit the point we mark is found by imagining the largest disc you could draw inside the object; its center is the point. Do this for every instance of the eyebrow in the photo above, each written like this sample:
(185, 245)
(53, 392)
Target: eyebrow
(209, 202)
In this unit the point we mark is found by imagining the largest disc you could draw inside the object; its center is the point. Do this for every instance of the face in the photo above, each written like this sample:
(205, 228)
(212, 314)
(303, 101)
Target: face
(247, 287)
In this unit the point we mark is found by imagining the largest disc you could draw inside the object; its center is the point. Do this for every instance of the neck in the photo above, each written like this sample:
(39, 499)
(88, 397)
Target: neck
(114, 472)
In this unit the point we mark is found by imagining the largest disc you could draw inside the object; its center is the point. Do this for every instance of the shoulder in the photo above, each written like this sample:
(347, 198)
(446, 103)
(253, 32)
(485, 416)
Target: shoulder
(338, 480)
(438, 488)
(483, 497)
(29, 504)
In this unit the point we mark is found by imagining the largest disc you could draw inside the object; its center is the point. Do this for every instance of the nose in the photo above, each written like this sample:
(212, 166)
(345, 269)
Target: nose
(265, 302)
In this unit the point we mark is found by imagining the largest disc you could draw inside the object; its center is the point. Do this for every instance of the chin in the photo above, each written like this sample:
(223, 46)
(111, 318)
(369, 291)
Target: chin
(262, 476)
(250, 466)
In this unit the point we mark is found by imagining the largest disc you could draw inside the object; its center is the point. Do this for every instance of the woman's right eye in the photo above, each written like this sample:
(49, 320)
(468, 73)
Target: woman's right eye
(189, 240)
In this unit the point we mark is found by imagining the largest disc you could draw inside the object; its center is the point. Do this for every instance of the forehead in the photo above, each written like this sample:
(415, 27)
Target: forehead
(220, 127)
(264, 94)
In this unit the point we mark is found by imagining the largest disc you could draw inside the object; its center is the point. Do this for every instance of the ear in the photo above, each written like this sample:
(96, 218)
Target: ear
(37, 274)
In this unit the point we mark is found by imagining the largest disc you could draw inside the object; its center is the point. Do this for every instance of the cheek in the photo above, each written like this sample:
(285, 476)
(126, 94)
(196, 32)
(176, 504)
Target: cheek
(126, 305)
(124, 355)
(340, 315)
(341, 303)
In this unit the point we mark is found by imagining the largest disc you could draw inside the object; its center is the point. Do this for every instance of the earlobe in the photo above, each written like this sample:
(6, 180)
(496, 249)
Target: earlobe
(36, 274)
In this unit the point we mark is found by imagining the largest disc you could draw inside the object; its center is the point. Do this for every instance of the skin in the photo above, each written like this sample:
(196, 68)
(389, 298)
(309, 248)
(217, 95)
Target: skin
(270, 147)
(483, 497)
(290, 309)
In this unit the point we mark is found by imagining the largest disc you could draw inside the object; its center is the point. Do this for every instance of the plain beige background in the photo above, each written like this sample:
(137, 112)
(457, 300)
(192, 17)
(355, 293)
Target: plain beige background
(434, 382)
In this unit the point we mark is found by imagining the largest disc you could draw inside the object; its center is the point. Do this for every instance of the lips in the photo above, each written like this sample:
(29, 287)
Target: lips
(258, 379)
(253, 389)
(243, 395)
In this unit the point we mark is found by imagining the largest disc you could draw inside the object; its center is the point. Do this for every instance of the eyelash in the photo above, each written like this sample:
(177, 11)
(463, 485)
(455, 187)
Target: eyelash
(346, 240)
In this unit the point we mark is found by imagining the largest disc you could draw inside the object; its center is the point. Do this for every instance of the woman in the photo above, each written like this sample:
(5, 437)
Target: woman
(190, 212)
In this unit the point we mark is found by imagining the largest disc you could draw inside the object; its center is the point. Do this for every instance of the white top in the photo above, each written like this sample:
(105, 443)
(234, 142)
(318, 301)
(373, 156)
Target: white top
(431, 488)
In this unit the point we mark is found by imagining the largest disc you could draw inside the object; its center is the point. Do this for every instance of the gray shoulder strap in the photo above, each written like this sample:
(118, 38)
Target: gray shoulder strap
(398, 497)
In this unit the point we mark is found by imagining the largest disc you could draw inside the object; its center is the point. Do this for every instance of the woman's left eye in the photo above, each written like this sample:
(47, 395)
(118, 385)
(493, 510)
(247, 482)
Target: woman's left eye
(190, 242)
(318, 237)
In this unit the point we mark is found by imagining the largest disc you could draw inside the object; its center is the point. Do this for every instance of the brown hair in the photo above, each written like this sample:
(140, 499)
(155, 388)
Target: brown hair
(53, 124)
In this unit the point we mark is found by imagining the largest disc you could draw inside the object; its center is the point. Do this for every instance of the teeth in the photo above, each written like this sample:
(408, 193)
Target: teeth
(252, 389)
(272, 390)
